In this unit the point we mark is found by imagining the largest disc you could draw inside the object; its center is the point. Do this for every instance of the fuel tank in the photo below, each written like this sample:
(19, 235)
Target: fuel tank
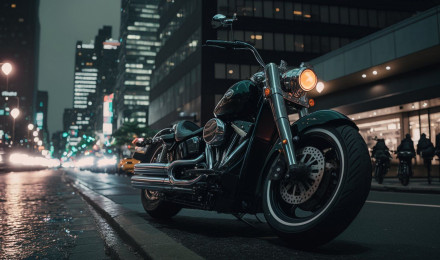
(239, 102)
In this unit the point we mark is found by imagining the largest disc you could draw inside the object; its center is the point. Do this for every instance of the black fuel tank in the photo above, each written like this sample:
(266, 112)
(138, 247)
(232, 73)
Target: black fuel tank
(239, 102)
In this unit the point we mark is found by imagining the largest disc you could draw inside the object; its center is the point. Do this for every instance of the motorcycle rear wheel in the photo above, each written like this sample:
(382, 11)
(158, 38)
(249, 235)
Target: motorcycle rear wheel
(379, 173)
(153, 201)
(341, 193)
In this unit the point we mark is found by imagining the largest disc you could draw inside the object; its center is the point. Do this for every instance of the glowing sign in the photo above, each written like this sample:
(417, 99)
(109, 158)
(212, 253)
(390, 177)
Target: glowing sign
(39, 119)
(107, 108)
(9, 93)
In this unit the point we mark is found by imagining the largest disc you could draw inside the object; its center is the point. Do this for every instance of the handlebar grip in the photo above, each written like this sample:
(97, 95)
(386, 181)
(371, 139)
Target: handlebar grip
(224, 44)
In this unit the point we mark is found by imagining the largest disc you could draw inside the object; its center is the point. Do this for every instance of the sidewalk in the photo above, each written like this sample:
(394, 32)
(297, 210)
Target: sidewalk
(416, 185)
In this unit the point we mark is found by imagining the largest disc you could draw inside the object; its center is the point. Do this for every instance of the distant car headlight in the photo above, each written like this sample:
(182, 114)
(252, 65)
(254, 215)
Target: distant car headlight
(105, 162)
(299, 80)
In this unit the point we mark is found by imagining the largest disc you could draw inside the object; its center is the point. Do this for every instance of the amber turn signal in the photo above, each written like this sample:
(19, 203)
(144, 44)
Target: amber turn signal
(311, 102)
(266, 92)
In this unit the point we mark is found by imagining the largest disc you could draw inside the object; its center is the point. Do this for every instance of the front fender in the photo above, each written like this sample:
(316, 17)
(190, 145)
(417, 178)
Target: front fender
(318, 118)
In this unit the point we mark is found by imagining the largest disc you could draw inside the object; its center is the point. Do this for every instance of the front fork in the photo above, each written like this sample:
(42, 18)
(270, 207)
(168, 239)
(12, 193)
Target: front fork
(279, 111)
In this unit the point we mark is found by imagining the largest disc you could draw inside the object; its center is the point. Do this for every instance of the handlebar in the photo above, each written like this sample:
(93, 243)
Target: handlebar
(236, 45)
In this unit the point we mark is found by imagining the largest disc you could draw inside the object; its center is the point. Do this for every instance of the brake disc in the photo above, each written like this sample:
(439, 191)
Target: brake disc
(299, 191)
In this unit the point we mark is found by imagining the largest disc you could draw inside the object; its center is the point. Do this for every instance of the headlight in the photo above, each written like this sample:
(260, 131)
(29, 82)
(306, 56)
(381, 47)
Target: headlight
(308, 80)
(298, 80)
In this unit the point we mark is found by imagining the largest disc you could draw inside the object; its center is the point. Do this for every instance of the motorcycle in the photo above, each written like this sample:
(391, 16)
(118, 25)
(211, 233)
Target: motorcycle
(404, 170)
(381, 166)
(309, 178)
(382, 158)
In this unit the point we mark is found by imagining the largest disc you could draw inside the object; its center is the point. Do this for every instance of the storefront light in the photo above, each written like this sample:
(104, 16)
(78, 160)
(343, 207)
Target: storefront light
(387, 67)
(364, 75)
(374, 72)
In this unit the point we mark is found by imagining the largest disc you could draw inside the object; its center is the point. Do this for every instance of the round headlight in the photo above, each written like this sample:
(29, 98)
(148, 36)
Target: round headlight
(308, 80)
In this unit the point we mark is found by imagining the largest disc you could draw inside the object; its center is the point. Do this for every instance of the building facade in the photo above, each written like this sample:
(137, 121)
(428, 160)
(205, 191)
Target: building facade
(189, 80)
(388, 82)
(19, 41)
(139, 45)
(41, 108)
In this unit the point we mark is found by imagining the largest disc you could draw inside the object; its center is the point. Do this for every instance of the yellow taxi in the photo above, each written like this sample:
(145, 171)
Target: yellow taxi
(127, 165)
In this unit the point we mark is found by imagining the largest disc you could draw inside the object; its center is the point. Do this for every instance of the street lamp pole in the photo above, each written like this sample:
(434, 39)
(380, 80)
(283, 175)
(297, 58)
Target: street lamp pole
(14, 113)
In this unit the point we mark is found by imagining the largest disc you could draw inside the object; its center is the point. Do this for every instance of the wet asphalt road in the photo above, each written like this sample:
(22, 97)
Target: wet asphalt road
(390, 226)
(42, 217)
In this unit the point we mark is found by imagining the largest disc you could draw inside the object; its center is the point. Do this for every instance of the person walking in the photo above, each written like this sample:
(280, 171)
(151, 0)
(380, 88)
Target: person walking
(426, 149)
(437, 151)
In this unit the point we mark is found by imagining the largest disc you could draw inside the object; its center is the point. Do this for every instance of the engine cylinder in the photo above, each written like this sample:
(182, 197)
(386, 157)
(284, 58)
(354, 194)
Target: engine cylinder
(214, 132)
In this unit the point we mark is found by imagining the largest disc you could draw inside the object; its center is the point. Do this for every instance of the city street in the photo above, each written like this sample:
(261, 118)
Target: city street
(49, 220)
(41, 216)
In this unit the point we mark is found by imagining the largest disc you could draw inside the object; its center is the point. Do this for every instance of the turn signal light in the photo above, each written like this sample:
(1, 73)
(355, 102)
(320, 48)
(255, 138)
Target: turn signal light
(266, 92)
(311, 102)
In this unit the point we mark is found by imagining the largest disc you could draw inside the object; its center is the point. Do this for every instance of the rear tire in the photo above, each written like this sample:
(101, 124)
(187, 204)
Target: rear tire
(379, 173)
(154, 202)
(341, 193)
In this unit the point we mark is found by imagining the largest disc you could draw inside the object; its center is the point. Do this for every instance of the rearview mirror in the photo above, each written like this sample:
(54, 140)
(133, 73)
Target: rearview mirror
(218, 21)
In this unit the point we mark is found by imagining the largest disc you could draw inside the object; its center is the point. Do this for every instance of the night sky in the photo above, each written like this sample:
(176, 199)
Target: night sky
(63, 22)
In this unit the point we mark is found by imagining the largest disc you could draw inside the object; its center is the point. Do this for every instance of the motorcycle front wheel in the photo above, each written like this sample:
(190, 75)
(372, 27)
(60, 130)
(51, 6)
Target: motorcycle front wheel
(312, 210)
(153, 201)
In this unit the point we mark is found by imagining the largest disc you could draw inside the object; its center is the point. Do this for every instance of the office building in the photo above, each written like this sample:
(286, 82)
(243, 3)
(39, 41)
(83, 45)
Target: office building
(19, 40)
(41, 115)
(189, 80)
(139, 44)
(388, 82)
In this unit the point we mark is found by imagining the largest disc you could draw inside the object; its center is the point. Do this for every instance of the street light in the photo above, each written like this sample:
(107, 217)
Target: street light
(30, 127)
(14, 113)
(36, 139)
(35, 133)
(6, 68)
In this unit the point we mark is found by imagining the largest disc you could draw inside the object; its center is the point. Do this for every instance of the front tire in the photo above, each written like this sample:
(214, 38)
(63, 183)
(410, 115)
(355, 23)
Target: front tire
(154, 202)
(308, 214)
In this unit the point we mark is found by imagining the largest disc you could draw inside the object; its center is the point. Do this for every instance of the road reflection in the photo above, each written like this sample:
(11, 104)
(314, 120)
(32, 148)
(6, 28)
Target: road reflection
(33, 221)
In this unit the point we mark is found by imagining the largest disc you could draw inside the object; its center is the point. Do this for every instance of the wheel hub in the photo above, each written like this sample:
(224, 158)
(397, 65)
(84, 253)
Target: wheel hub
(299, 190)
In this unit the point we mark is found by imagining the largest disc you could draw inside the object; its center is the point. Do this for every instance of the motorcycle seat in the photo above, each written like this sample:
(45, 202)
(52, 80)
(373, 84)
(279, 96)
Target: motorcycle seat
(185, 129)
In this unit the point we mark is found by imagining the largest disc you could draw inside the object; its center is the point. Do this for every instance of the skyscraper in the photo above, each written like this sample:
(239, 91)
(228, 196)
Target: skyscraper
(139, 45)
(189, 80)
(19, 37)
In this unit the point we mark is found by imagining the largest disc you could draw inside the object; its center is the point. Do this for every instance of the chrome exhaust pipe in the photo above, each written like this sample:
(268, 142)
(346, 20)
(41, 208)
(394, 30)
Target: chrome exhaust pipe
(160, 176)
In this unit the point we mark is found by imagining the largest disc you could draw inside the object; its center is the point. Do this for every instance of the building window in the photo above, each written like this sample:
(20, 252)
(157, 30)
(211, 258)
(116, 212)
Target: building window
(268, 9)
(232, 71)
(268, 41)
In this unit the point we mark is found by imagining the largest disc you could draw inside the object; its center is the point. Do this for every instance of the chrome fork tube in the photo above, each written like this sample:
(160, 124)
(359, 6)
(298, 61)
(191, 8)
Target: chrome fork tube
(278, 107)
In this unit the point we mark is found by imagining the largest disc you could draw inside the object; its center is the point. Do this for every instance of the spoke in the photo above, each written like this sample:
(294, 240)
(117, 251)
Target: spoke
(294, 189)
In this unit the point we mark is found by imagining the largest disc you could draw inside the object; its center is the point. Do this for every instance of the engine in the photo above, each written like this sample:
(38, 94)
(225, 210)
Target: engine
(214, 132)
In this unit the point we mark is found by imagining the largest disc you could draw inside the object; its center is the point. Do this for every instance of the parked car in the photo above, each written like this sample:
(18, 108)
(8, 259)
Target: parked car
(127, 165)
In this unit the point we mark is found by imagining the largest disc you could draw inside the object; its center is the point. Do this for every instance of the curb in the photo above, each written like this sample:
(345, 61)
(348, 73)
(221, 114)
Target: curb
(148, 241)
(407, 189)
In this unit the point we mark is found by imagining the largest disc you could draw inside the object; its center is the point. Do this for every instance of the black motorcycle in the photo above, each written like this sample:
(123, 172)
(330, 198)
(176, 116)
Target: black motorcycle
(404, 170)
(381, 166)
(310, 178)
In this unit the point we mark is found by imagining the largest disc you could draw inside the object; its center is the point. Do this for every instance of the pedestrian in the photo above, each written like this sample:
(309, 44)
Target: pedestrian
(426, 149)
(437, 150)
(407, 145)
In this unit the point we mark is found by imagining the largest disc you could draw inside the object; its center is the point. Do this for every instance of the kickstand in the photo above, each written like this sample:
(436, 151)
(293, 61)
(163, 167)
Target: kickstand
(240, 216)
